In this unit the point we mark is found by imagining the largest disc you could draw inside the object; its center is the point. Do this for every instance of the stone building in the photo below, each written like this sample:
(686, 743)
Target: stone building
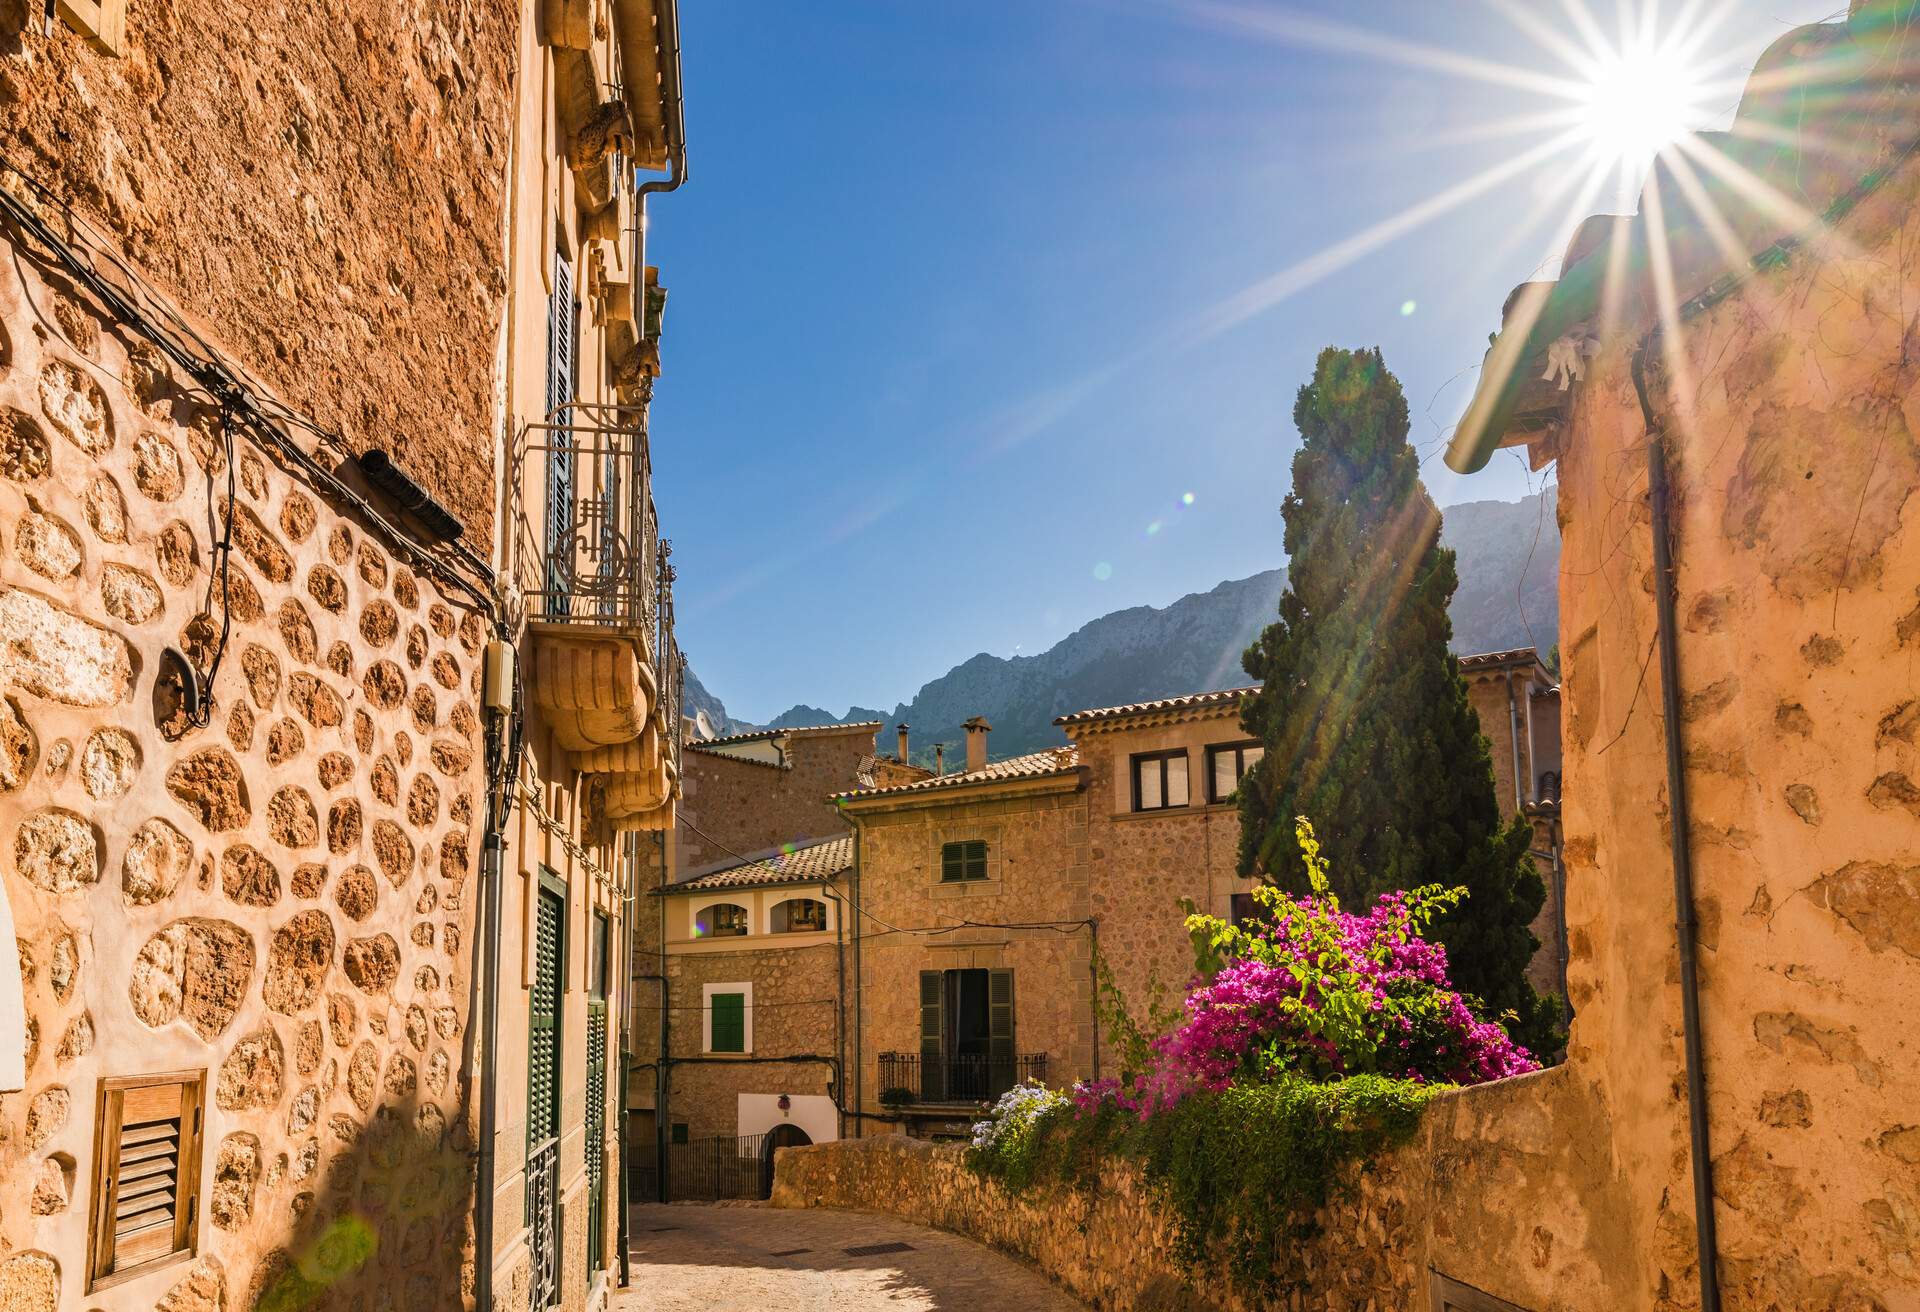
(589, 613)
(985, 894)
(1517, 699)
(278, 320)
(750, 915)
(244, 743)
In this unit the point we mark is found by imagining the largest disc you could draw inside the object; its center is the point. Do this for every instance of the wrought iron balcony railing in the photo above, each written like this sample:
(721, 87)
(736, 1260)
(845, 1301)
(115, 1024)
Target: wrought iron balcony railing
(586, 534)
(672, 665)
(907, 1078)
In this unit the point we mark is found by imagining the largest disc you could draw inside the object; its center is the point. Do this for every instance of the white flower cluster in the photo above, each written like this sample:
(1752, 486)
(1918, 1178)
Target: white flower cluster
(1017, 1106)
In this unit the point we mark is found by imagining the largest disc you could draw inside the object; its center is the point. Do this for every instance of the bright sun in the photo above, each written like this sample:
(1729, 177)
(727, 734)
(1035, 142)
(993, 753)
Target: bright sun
(1639, 102)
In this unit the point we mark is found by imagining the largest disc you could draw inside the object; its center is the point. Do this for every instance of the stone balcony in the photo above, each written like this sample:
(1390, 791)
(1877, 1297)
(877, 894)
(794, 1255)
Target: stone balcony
(588, 562)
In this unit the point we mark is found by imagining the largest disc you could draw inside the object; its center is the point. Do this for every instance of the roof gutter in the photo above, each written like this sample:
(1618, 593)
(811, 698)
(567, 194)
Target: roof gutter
(676, 119)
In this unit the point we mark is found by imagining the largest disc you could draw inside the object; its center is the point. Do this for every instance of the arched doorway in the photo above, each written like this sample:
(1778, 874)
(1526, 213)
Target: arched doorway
(784, 1135)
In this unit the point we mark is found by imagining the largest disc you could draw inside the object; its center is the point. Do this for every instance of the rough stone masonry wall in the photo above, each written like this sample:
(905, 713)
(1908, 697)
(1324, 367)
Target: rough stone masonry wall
(322, 184)
(280, 898)
(1145, 863)
(745, 807)
(1421, 1206)
(1794, 411)
(1037, 868)
(796, 1000)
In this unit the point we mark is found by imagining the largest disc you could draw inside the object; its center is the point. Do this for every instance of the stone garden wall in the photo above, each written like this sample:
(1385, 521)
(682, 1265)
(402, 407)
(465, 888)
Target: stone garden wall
(281, 898)
(1417, 1208)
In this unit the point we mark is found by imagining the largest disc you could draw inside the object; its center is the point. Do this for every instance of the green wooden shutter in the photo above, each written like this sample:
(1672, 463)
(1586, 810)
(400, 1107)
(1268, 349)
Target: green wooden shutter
(952, 864)
(729, 1022)
(1000, 1019)
(543, 1022)
(932, 1035)
(596, 1130)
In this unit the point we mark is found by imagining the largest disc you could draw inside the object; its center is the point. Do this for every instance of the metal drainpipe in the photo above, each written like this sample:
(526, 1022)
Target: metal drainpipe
(628, 980)
(1665, 580)
(840, 1020)
(491, 861)
(676, 156)
(1093, 978)
(859, 1050)
(662, 1078)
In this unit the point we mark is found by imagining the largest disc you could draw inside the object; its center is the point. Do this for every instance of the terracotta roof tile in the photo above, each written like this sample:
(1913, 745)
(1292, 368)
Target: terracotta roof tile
(805, 864)
(1189, 701)
(1518, 656)
(762, 735)
(1034, 765)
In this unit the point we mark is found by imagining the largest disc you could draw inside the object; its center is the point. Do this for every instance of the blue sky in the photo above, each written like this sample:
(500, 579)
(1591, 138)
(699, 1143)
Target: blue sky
(967, 298)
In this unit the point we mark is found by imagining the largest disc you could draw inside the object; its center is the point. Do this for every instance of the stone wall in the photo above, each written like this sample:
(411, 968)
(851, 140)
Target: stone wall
(239, 161)
(1417, 1208)
(744, 807)
(796, 999)
(280, 898)
(1037, 872)
(1793, 408)
(1144, 863)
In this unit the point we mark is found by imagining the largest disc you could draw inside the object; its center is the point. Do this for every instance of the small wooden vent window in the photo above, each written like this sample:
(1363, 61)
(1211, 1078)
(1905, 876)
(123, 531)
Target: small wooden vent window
(963, 861)
(1448, 1295)
(146, 1175)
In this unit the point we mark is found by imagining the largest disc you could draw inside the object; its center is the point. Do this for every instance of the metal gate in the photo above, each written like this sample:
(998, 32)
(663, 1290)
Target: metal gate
(543, 1095)
(703, 1170)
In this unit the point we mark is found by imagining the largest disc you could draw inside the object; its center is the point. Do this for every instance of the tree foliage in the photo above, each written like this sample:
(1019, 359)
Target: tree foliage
(1363, 712)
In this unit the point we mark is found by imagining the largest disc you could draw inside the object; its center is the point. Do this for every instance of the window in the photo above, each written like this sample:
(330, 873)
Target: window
(966, 1035)
(799, 915)
(1449, 1295)
(961, 861)
(1227, 765)
(563, 374)
(723, 920)
(600, 964)
(679, 1131)
(102, 22)
(1159, 780)
(1245, 909)
(146, 1184)
(727, 1018)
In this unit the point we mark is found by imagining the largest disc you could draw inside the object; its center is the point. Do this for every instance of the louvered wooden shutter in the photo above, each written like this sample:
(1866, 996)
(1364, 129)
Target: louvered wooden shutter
(543, 1021)
(147, 1172)
(932, 1034)
(1000, 1019)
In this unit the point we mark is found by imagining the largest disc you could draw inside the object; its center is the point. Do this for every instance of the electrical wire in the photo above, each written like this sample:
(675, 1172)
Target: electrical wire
(138, 309)
(200, 710)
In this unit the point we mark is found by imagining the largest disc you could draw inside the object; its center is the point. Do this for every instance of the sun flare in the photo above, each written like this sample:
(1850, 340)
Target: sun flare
(1638, 102)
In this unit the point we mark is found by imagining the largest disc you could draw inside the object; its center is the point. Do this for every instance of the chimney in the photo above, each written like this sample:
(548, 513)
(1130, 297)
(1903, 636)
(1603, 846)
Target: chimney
(902, 726)
(939, 759)
(976, 743)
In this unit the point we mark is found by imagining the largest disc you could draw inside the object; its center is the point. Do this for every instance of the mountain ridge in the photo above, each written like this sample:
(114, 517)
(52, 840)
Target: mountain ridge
(1508, 562)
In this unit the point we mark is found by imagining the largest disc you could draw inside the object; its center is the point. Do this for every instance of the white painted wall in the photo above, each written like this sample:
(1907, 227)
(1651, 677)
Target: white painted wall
(812, 1112)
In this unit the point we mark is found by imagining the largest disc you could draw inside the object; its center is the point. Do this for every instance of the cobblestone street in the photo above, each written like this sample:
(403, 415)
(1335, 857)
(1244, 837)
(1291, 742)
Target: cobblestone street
(758, 1259)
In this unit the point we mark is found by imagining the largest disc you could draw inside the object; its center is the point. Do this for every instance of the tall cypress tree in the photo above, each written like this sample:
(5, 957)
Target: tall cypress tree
(1363, 711)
